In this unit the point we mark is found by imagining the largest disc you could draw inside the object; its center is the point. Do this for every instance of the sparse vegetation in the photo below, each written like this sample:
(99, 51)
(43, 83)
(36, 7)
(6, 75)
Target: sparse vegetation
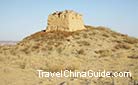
(104, 53)
(93, 48)
(105, 35)
(49, 48)
(131, 40)
(133, 56)
(122, 46)
(83, 43)
(85, 35)
(59, 50)
(81, 52)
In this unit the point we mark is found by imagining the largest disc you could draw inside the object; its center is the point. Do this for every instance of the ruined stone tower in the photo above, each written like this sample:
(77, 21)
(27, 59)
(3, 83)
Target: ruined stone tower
(65, 21)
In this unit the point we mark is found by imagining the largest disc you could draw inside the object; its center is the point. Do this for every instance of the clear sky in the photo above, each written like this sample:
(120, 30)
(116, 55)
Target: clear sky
(20, 18)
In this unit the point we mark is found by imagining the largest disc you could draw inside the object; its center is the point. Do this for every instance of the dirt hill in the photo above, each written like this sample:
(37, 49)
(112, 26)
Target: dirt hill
(95, 48)
(67, 44)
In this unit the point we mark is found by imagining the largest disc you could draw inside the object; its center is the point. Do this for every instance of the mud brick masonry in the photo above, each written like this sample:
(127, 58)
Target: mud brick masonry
(67, 20)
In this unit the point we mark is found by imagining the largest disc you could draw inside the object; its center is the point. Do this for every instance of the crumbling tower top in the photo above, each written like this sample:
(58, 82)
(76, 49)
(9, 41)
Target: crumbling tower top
(67, 20)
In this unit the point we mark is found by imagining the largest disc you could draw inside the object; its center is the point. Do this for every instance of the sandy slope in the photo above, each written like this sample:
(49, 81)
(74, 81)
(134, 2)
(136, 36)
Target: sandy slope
(92, 49)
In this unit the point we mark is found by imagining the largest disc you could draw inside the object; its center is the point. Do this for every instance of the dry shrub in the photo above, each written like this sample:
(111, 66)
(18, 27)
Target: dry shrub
(13, 52)
(76, 37)
(90, 27)
(2, 58)
(23, 65)
(50, 42)
(4, 48)
(35, 47)
(131, 40)
(57, 44)
(25, 50)
(104, 53)
(63, 64)
(105, 35)
(55, 67)
(101, 28)
(81, 52)
(43, 49)
(58, 67)
(77, 33)
(85, 35)
(122, 46)
(133, 56)
(72, 64)
(85, 43)
(59, 50)
(117, 41)
(0, 47)
(20, 63)
(49, 48)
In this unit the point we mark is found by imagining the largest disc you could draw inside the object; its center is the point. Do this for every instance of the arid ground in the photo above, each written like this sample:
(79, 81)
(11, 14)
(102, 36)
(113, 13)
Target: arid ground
(96, 48)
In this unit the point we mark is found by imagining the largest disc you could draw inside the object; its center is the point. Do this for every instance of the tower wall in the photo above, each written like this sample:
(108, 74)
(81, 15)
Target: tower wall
(75, 22)
(65, 21)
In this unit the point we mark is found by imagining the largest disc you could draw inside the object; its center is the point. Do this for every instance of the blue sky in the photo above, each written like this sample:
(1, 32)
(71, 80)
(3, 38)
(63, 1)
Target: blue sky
(20, 18)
